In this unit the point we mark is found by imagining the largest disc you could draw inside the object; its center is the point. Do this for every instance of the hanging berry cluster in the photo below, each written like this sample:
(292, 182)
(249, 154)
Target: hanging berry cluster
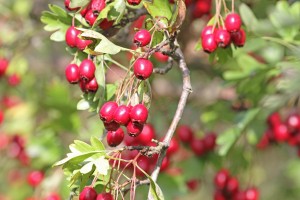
(281, 131)
(223, 32)
(89, 193)
(227, 188)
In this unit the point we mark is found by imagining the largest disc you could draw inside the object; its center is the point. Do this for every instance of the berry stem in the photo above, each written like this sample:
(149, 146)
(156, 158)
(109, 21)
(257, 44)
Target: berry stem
(232, 6)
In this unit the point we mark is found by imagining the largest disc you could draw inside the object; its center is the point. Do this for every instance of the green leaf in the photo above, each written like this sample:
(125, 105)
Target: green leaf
(247, 16)
(78, 3)
(87, 168)
(159, 9)
(118, 11)
(155, 189)
(110, 91)
(83, 105)
(102, 165)
(158, 37)
(97, 144)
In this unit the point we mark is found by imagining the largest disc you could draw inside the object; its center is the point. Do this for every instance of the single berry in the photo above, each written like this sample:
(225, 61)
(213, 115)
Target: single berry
(208, 30)
(293, 122)
(90, 17)
(114, 138)
(160, 57)
(144, 163)
(97, 5)
(92, 85)
(67, 6)
(72, 73)
(185, 133)
(88, 193)
(82, 85)
(142, 38)
(251, 194)
(233, 22)
(221, 179)
(84, 11)
(209, 44)
(1, 118)
(3, 66)
(122, 115)
(105, 24)
(87, 70)
(134, 129)
(222, 38)
(232, 185)
(274, 119)
(198, 147)
(107, 111)
(240, 195)
(192, 184)
(71, 35)
(134, 2)
(281, 132)
(146, 136)
(142, 68)
(14, 79)
(139, 114)
(165, 164)
(53, 196)
(81, 44)
(111, 126)
(34, 178)
(173, 147)
(218, 195)
(210, 141)
(201, 8)
(238, 38)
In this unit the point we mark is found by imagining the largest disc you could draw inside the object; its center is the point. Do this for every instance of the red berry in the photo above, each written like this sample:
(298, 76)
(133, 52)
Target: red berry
(185, 133)
(173, 147)
(240, 195)
(221, 179)
(107, 111)
(71, 35)
(281, 132)
(97, 5)
(219, 195)
(142, 68)
(87, 70)
(72, 73)
(294, 140)
(160, 57)
(1, 117)
(114, 138)
(53, 196)
(142, 38)
(111, 126)
(210, 141)
(293, 122)
(165, 164)
(198, 147)
(92, 85)
(85, 10)
(122, 115)
(263, 142)
(3, 66)
(88, 193)
(67, 5)
(232, 185)
(14, 79)
(134, 129)
(105, 196)
(34, 178)
(105, 24)
(239, 38)
(201, 8)
(147, 134)
(192, 184)
(90, 17)
(144, 163)
(81, 44)
(233, 22)
(207, 30)
(134, 2)
(82, 85)
(274, 119)
(251, 194)
(222, 37)
(209, 44)
(139, 114)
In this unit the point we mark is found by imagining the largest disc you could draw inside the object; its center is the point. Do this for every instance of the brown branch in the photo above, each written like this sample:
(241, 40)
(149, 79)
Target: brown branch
(187, 89)
(165, 69)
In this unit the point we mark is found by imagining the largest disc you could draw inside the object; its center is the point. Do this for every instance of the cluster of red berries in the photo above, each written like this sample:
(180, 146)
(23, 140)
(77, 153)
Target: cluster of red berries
(12, 79)
(200, 146)
(213, 37)
(114, 116)
(89, 193)
(227, 188)
(84, 74)
(282, 131)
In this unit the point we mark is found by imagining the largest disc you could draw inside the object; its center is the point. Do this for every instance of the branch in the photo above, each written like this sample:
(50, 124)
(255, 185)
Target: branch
(165, 69)
(187, 89)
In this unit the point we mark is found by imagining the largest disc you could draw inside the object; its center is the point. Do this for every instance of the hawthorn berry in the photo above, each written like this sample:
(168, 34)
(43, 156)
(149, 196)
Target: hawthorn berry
(71, 35)
(198, 147)
(232, 185)
(222, 37)
(3, 66)
(14, 79)
(72, 73)
(122, 115)
(82, 85)
(87, 70)
(238, 38)
(218, 195)
(90, 17)
(67, 6)
(114, 138)
(1, 117)
(160, 57)
(165, 164)
(281, 132)
(34, 178)
(192, 184)
(221, 179)
(274, 119)
(142, 68)
(92, 85)
(134, 129)
(142, 38)
(85, 10)
(251, 194)
(134, 2)
(53, 196)
(105, 24)
(111, 126)
(139, 114)
(201, 8)
(233, 22)
(209, 44)
(207, 30)
(81, 44)
(107, 111)
(210, 141)
(185, 133)
(88, 193)
(96, 6)
(173, 147)
(293, 122)
(144, 163)
(147, 134)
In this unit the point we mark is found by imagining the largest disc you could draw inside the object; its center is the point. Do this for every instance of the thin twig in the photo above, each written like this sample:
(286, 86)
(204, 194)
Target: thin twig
(165, 69)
